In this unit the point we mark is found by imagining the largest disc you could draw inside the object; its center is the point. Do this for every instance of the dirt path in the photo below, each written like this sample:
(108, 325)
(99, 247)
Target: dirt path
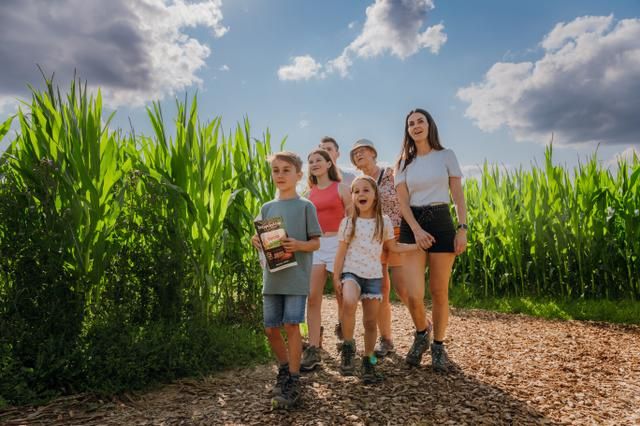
(509, 369)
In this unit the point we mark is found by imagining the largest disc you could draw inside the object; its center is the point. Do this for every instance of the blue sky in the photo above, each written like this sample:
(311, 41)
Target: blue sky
(499, 77)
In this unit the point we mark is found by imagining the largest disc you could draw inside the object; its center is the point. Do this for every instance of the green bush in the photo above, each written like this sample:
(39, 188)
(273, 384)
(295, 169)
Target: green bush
(119, 357)
(41, 301)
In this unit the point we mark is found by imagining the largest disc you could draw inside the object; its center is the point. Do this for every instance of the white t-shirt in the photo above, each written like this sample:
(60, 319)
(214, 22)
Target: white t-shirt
(427, 177)
(363, 253)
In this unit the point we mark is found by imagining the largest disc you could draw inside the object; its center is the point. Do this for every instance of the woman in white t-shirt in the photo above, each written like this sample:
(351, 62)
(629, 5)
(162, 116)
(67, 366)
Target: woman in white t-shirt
(427, 178)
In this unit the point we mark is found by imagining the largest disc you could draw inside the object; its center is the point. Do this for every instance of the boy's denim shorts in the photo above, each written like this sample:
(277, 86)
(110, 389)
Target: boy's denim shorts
(279, 309)
(370, 288)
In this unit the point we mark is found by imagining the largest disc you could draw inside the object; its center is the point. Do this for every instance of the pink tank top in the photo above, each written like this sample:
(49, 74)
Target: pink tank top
(328, 206)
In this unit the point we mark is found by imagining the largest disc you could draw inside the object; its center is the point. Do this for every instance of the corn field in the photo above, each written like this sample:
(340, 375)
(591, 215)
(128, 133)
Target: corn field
(551, 232)
(112, 244)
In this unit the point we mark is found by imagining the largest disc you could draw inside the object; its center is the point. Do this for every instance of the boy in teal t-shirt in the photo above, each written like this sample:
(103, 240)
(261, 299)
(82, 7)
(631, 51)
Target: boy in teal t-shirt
(285, 291)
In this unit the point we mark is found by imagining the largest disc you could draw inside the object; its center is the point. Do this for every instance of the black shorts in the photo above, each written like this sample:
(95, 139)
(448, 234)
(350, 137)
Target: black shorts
(436, 220)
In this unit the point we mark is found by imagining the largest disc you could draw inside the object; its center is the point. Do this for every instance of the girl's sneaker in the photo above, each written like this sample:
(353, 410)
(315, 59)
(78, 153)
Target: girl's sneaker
(290, 396)
(310, 358)
(420, 344)
(305, 340)
(384, 347)
(439, 358)
(281, 380)
(347, 358)
(369, 373)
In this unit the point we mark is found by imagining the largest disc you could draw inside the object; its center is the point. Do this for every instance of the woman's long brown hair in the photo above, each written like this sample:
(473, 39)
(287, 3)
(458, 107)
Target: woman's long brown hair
(409, 150)
(334, 173)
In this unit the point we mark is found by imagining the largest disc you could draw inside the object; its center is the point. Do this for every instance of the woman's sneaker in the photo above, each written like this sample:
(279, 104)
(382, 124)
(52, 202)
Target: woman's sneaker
(347, 358)
(290, 396)
(420, 344)
(369, 373)
(439, 358)
(384, 347)
(310, 358)
(281, 380)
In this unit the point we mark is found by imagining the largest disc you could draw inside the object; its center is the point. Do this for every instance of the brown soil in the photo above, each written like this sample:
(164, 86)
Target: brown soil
(508, 369)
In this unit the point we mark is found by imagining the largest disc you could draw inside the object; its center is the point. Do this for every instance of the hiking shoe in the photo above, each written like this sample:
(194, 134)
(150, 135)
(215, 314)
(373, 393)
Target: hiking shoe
(281, 380)
(305, 340)
(420, 345)
(369, 373)
(347, 358)
(439, 358)
(384, 347)
(310, 358)
(290, 396)
(338, 331)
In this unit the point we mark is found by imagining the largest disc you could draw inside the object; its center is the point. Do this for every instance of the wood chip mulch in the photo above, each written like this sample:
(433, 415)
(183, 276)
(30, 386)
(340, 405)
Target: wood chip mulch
(507, 369)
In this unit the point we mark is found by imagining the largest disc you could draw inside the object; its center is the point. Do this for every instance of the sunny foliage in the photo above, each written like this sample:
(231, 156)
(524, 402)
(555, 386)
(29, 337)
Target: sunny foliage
(552, 232)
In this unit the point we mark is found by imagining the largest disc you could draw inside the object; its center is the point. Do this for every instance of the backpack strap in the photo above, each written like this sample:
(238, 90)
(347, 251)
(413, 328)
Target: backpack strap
(382, 172)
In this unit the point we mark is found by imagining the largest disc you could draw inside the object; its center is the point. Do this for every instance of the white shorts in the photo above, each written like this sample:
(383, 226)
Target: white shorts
(326, 254)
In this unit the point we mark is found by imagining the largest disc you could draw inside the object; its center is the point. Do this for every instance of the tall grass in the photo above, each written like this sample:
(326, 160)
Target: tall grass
(554, 232)
(121, 254)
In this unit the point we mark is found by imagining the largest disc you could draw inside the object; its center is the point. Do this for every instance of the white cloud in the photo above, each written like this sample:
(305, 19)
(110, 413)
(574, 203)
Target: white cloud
(625, 155)
(391, 27)
(301, 68)
(562, 32)
(224, 67)
(583, 90)
(304, 123)
(471, 170)
(352, 24)
(7, 104)
(474, 171)
(135, 51)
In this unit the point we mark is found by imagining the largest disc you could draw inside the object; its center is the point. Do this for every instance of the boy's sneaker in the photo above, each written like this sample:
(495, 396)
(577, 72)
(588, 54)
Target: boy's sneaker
(310, 358)
(384, 347)
(338, 331)
(439, 358)
(290, 396)
(281, 380)
(420, 345)
(347, 358)
(369, 373)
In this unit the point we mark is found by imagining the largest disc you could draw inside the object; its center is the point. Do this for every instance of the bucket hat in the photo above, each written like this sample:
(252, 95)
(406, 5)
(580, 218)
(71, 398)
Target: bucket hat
(359, 144)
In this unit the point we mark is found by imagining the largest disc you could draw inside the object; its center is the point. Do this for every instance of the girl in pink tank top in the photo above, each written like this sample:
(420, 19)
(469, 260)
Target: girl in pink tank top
(332, 200)
(329, 206)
